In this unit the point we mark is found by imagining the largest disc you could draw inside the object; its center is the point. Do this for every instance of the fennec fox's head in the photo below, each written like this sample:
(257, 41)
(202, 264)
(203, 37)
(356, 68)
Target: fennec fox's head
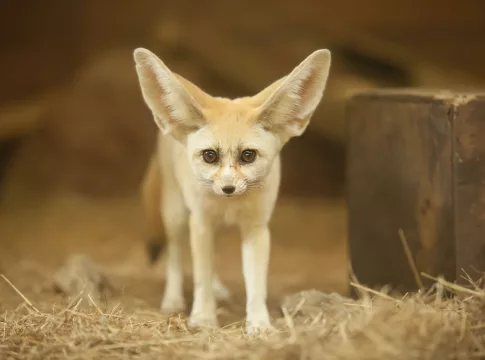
(232, 144)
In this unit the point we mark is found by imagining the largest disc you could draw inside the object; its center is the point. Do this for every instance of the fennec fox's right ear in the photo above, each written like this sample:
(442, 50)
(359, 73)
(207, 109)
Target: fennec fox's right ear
(291, 101)
(175, 110)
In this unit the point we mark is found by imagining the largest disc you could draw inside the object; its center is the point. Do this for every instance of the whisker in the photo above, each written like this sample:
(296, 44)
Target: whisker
(204, 181)
(250, 185)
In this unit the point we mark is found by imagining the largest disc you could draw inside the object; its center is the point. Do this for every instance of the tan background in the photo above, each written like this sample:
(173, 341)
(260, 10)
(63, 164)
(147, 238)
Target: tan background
(76, 136)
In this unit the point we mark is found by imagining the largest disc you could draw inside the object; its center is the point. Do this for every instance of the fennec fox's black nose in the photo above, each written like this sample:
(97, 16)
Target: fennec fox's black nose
(228, 189)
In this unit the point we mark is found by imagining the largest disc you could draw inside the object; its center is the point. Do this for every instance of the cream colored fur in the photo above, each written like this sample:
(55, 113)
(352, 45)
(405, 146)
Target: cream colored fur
(192, 196)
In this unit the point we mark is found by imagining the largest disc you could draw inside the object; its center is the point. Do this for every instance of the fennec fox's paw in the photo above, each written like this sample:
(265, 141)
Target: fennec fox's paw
(258, 324)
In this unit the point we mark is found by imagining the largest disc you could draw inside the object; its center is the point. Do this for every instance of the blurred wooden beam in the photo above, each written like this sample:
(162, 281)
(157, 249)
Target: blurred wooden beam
(411, 32)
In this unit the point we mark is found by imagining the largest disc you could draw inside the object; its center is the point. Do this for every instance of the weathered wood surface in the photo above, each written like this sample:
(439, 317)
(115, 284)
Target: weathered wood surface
(469, 163)
(416, 163)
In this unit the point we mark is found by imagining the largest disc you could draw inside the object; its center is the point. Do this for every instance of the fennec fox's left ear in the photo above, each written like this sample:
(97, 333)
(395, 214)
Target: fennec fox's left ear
(289, 107)
(175, 110)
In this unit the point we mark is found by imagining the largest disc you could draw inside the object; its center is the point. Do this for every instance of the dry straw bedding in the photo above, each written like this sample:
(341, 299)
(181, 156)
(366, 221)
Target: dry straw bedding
(313, 325)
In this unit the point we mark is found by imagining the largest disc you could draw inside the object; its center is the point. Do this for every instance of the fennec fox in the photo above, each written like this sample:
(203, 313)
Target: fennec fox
(219, 165)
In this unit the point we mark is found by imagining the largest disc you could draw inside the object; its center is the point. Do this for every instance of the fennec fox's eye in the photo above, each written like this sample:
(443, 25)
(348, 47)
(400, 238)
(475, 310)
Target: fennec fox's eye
(248, 156)
(210, 156)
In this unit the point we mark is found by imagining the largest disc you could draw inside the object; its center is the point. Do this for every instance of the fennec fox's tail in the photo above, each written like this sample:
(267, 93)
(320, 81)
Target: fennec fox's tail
(150, 198)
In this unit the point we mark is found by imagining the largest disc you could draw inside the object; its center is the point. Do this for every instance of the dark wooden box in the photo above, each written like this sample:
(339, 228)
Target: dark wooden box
(416, 162)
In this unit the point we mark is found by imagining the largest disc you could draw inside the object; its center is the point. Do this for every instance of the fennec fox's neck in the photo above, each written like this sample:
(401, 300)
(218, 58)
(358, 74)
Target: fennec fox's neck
(218, 163)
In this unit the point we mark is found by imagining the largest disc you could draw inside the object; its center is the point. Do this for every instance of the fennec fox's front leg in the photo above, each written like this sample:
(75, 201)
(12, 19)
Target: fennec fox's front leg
(176, 219)
(203, 312)
(255, 252)
(177, 231)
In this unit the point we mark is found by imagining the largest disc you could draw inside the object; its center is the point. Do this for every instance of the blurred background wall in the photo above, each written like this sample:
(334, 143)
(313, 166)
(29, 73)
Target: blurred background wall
(72, 118)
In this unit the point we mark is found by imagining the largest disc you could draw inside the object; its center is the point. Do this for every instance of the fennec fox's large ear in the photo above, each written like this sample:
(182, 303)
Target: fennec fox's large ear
(289, 107)
(175, 110)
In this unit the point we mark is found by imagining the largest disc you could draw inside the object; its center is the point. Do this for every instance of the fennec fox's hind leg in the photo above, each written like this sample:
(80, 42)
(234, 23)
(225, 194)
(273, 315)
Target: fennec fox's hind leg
(221, 292)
